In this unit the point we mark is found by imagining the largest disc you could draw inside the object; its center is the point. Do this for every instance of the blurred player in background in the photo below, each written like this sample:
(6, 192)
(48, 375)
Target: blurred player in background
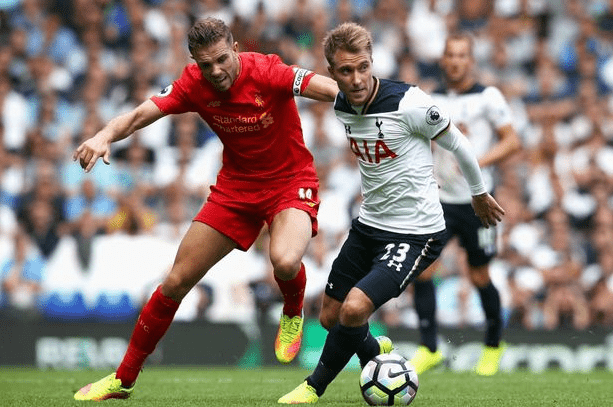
(484, 117)
(400, 229)
(267, 177)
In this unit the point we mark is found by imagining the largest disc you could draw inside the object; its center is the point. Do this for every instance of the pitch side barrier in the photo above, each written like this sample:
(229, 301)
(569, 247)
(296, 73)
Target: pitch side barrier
(82, 345)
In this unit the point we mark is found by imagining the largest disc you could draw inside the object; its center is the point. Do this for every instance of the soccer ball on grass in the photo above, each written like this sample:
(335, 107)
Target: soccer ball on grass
(387, 380)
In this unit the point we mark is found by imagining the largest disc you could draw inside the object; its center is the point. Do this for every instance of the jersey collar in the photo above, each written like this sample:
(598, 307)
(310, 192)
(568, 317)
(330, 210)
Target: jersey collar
(373, 96)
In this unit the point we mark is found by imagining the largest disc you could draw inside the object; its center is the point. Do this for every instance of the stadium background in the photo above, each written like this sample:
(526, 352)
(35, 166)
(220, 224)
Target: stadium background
(79, 253)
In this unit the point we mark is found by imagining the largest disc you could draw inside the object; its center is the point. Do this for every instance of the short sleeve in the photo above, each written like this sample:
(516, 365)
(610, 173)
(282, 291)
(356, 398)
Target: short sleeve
(173, 99)
(290, 80)
(498, 110)
(422, 115)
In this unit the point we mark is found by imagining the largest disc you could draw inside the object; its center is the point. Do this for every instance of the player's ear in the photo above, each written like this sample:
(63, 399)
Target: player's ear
(235, 46)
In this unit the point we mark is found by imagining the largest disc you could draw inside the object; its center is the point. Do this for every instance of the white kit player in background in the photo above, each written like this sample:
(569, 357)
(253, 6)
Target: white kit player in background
(484, 116)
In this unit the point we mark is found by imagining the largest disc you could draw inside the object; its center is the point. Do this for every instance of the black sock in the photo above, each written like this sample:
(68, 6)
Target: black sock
(490, 301)
(368, 348)
(425, 305)
(341, 344)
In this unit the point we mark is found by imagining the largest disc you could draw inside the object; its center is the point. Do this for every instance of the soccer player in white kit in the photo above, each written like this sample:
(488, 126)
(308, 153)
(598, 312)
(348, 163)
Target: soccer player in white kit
(400, 229)
(485, 118)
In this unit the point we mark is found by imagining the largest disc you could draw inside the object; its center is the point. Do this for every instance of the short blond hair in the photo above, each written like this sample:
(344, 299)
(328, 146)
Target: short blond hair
(350, 37)
(461, 36)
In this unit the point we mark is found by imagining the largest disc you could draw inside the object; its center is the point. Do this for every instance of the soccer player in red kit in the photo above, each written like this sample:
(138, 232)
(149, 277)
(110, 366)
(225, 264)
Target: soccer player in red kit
(267, 176)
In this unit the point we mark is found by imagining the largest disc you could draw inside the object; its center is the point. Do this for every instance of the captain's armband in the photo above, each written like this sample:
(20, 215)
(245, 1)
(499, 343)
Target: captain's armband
(300, 74)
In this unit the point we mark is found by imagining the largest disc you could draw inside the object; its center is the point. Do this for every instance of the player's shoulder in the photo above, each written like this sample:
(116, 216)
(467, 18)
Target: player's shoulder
(191, 72)
(258, 61)
(265, 69)
(388, 98)
(476, 89)
(492, 92)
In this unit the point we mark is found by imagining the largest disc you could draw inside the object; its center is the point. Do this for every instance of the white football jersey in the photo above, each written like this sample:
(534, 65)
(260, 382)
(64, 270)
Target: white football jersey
(478, 112)
(391, 136)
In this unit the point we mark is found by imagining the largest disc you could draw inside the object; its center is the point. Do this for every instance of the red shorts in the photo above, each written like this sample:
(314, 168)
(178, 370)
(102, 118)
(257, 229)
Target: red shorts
(239, 209)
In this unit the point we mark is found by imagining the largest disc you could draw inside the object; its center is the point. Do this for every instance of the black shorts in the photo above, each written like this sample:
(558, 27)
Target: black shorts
(381, 263)
(479, 242)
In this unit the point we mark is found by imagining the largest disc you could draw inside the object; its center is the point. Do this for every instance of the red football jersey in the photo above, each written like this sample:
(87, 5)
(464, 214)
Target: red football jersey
(256, 119)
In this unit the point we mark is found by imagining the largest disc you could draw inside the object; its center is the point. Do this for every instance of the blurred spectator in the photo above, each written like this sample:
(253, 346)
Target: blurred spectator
(601, 303)
(564, 302)
(176, 217)
(135, 163)
(14, 111)
(133, 216)
(551, 97)
(87, 215)
(473, 14)
(40, 209)
(21, 276)
(427, 28)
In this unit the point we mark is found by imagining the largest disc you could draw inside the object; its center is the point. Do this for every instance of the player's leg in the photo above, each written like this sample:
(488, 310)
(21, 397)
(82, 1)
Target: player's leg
(341, 344)
(352, 263)
(370, 347)
(201, 247)
(396, 260)
(354, 256)
(290, 233)
(489, 361)
(427, 354)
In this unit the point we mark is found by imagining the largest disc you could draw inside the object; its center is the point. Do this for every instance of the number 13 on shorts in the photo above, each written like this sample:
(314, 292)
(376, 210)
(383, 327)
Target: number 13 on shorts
(400, 255)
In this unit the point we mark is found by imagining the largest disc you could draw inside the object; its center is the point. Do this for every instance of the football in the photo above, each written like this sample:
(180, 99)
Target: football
(387, 380)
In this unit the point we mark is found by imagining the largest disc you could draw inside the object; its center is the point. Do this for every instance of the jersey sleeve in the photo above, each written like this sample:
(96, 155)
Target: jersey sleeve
(422, 115)
(498, 110)
(285, 78)
(173, 99)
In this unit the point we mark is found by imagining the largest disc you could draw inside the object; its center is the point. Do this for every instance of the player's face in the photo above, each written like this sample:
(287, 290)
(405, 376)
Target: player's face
(457, 60)
(353, 73)
(218, 63)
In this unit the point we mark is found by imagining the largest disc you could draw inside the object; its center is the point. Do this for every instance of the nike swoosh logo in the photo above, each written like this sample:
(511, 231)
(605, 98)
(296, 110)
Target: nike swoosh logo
(391, 375)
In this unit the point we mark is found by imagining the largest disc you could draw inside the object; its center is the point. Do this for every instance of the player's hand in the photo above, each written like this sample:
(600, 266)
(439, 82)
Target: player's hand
(90, 150)
(487, 209)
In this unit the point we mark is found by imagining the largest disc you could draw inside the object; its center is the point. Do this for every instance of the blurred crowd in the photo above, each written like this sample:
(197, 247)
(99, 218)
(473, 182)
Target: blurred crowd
(68, 66)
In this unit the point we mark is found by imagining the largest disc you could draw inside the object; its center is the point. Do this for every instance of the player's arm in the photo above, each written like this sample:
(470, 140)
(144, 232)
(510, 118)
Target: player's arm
(117, 129)
(508, 143)
(484, 205)
(321, 88)
(314, 86)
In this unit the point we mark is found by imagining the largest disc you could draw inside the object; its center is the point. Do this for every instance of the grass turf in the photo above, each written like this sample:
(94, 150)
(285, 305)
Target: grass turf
(223, 387)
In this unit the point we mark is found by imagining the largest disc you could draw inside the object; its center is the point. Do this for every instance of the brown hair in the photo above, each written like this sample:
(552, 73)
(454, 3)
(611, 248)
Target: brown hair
(350, 37)
(207, 32)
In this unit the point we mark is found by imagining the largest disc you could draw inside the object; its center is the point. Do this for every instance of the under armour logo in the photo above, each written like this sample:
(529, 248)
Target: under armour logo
(330, 285)
(392, 263)
(347, 129)
(379, 124)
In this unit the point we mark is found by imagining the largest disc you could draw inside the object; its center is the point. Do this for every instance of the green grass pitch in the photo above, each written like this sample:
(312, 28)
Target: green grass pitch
(222, 387)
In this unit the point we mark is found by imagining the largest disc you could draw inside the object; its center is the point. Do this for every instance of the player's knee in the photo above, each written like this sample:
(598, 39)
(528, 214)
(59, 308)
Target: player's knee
(176, 287)
(327, 319)
(479, 276)
(285, 266)
(354, 313)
